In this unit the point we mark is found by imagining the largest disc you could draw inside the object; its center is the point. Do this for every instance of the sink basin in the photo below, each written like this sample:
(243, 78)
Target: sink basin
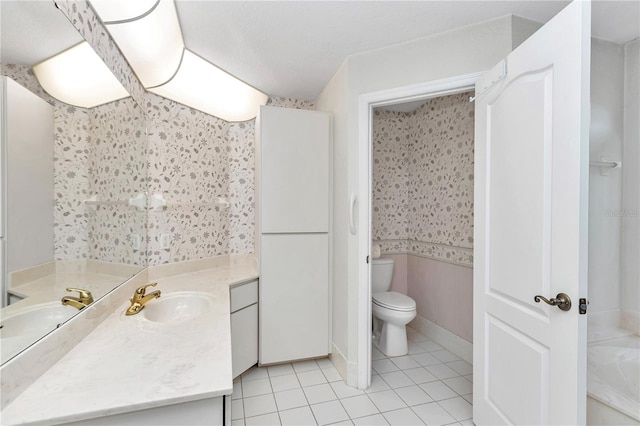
(178, 307)
(36, 319)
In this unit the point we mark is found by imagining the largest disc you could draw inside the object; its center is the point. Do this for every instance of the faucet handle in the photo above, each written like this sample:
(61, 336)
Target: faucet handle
(141, 290)
(85, 295)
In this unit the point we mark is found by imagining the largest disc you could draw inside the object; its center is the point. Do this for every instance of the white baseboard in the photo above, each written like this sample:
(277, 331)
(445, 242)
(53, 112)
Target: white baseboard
(455, 344)
(339, 361)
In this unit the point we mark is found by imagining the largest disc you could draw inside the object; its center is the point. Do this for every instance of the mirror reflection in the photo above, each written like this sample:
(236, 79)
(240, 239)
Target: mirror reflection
(72, 178)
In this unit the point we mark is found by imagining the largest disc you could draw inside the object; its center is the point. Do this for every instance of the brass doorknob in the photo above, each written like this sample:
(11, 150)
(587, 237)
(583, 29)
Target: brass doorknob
(561, 300)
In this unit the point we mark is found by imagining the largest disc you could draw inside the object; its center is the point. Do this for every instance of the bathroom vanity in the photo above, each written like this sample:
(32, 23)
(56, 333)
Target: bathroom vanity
(169, 364)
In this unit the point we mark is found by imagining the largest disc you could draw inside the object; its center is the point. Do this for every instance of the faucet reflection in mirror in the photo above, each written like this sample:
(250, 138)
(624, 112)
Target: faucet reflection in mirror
(98, 151)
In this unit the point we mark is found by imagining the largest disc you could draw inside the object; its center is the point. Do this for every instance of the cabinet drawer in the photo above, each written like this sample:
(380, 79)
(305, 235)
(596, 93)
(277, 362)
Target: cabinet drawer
(244, 339)
(244, 295)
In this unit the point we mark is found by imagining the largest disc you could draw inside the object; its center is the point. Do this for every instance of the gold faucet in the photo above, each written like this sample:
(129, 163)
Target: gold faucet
(140, 298)
(82, 301)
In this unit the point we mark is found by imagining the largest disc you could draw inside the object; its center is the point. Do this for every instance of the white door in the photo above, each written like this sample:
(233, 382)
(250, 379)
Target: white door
(531, 192)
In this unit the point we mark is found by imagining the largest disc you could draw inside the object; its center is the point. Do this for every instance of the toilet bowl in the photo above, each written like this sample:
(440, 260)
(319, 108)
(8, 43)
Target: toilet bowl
(392, 311)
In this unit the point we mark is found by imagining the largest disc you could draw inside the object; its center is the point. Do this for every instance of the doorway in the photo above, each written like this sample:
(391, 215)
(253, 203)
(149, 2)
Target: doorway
(367, 104)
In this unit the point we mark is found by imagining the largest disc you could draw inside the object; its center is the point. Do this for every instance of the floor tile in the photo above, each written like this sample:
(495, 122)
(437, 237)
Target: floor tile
(387, 400)
(425, 359)
(413, 395)
(396, 379)
(280, 370)
(310, 378)
(430, 345)
(404, 362)
(264, 420)
(414, 336)
(286, 382)
(384, 366)
(254, 373)
(258, 405)
(433, 414)
(414, 348)
(429, 385)
(377, 384)
(459, 384)
(301, 366)
(459, 408)
(461, 367)
(297, 417)
(329, 412)
(358, 406)
(256, 387)
(237, 409)
(288, 399)
(441, 371)
(331, 374)
(324, 363)
(438, 390)
(445, 356)
(319, 393)
(403, 417)
(420, 375)
(375, 420)
(376, 354)
(342, 390)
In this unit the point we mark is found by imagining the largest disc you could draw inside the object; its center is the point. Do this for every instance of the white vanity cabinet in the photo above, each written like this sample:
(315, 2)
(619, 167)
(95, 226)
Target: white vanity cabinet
(244, 326)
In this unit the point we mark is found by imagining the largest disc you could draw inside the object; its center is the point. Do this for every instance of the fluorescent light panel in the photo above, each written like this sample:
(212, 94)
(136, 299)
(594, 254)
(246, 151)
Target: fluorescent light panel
(110, 10)
(153, 44)
(203, 86)
(77, 76)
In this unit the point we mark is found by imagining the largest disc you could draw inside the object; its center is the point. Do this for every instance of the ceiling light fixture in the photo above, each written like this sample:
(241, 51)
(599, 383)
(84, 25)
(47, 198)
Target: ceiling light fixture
(150, 38)
(77, 76)
(205, 87)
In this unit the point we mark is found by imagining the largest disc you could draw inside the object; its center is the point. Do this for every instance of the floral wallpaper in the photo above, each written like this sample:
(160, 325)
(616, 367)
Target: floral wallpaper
(97, 152)
(188, 163)
(423, 180)
(189, 157)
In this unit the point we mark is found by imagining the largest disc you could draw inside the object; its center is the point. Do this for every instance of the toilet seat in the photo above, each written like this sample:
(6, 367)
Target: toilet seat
(394, 301)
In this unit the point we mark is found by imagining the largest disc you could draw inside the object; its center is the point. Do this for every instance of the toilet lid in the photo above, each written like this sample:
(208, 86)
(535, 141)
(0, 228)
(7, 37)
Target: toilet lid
(394, 300)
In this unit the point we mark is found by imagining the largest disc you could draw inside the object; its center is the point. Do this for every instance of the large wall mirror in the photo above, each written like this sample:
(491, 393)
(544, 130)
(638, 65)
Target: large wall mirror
(73, 178)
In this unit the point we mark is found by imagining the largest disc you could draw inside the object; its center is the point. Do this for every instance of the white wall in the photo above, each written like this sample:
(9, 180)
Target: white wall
(630, 276)
(605, 192)
(463, 51)
(29, 231)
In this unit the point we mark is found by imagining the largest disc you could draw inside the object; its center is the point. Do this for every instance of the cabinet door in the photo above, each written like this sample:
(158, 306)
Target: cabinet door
(294, 170)
(294, 297)
(244, 339)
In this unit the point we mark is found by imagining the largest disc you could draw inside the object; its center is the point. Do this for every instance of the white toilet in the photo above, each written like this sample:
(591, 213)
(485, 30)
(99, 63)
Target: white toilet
(392, 311)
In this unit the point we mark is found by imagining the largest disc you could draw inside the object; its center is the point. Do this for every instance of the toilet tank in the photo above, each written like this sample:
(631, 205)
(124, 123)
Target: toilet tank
(381, 274)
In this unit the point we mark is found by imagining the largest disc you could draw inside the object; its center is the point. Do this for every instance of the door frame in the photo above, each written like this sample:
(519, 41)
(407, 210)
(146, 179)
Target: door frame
(366, 103)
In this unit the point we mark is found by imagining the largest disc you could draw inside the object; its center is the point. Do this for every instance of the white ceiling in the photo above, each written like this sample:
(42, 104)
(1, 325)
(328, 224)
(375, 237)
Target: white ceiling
(31, 31)
(293, 48)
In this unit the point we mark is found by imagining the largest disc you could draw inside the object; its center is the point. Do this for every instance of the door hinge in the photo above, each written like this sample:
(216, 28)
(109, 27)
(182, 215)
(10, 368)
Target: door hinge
(367, 259)
(582, 306)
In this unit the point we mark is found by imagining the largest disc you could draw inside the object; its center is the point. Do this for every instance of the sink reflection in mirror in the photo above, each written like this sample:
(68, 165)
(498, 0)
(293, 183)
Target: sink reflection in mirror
(66, 204)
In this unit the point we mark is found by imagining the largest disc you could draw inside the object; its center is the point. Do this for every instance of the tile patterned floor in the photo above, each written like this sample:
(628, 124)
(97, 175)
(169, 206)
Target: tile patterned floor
(429, 386)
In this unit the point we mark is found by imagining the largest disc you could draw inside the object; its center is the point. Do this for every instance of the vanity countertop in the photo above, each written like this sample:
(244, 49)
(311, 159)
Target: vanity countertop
(129, 363)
